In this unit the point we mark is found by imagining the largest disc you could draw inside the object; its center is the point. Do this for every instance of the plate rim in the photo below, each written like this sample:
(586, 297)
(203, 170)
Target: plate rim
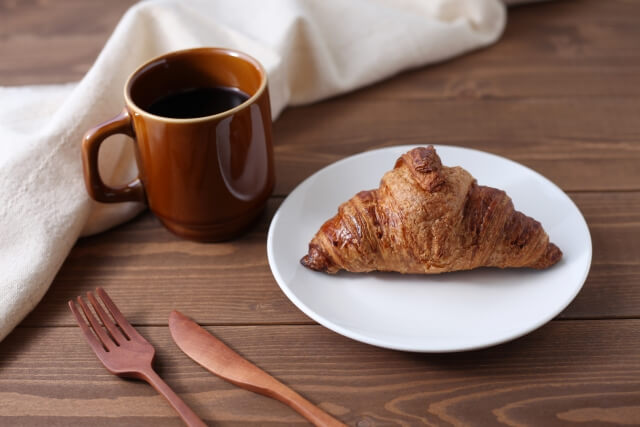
(327, 323)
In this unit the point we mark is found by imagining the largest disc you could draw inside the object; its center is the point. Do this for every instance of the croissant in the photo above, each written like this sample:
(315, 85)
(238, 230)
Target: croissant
(428, 218)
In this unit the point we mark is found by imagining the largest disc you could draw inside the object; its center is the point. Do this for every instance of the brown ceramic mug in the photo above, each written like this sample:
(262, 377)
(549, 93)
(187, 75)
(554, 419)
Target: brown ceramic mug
(206, 178)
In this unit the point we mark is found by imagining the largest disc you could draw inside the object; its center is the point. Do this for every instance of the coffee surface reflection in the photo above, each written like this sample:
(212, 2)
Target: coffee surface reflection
(197, 102)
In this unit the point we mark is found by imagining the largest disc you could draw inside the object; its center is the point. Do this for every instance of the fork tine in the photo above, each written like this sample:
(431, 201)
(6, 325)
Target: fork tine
(119, 318)
(94, 343)
(96, 326)
(106, 321)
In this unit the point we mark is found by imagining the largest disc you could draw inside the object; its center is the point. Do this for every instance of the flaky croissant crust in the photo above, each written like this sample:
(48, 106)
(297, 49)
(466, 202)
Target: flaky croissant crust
(429, 218)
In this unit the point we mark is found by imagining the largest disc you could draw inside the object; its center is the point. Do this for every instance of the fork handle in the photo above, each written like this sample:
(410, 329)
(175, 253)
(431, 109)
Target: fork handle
(188, 416)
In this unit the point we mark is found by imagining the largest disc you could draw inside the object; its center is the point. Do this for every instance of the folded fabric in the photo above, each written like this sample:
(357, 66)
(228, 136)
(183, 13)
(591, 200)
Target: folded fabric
(311, 50)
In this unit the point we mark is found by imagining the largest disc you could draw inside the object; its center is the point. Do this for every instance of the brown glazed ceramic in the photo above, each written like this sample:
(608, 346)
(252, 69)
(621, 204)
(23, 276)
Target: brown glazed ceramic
(205, 178)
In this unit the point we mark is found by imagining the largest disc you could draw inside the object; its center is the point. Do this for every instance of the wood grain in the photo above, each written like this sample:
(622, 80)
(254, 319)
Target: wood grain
(150, 272)
(578, 145)
(146, 269)
(218, 358)
(53, 41)
(564, 49)
(553, 94)
(589, 367)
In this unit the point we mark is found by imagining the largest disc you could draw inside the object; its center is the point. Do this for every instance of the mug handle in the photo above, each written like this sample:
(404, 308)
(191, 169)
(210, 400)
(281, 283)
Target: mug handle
(97, 189)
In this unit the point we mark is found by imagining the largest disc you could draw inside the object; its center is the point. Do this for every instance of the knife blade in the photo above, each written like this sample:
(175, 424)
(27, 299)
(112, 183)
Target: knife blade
(219, 359)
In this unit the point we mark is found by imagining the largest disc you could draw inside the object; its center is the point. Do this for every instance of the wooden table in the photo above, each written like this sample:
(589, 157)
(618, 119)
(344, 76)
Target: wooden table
(559, 93)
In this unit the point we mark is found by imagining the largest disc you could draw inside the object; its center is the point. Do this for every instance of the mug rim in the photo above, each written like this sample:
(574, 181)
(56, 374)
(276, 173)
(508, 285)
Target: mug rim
(227, 51)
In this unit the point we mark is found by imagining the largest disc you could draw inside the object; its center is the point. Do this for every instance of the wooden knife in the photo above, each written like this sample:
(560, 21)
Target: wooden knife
(222, 361)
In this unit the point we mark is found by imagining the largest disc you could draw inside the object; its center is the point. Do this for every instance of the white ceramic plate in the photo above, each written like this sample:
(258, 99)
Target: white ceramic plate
(429, 313)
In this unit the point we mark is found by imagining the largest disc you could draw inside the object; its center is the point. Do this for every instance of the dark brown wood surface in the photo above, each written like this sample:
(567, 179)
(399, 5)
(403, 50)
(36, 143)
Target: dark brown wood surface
(559, 93)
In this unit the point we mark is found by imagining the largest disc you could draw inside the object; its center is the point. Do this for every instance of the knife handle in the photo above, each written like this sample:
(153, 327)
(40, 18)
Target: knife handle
(301, 405)
(245, 374)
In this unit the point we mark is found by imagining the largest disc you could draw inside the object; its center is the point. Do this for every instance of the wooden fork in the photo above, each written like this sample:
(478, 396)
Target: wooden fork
(123, 351)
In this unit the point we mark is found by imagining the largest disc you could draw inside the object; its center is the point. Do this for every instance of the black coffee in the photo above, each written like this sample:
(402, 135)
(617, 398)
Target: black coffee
(198, 102)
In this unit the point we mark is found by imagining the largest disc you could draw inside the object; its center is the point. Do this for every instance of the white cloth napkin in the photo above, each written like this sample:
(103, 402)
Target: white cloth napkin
(311, 49)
